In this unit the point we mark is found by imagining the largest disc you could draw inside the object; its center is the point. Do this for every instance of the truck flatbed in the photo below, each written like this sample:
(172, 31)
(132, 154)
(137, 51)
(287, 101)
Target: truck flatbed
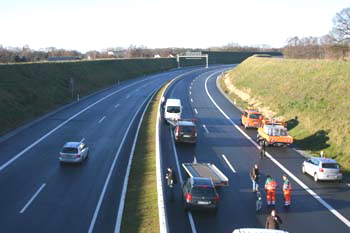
(206, 170)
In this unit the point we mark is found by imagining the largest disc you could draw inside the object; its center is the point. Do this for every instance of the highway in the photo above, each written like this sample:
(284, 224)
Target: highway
(38, 195)
(316, 207)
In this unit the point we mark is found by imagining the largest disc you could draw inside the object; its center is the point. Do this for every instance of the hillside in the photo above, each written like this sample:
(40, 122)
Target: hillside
(30, 90)
(313, 95)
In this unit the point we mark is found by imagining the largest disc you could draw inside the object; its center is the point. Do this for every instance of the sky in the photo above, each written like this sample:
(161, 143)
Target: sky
(86, 25)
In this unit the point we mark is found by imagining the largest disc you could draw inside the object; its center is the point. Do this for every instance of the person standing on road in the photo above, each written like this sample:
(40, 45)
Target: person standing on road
(270, 187)
(170, 177)
(254, 176)
(273, 221)
(287, 191)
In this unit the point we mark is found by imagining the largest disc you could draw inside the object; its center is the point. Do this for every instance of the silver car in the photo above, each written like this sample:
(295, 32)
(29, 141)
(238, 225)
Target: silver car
(322, 169)
(73, 152)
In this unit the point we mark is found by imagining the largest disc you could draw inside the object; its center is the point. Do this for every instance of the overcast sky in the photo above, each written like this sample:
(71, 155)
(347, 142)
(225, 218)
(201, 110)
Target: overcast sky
(85, 25)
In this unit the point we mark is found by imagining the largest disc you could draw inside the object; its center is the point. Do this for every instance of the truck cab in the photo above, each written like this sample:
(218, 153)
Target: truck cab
(251, 118)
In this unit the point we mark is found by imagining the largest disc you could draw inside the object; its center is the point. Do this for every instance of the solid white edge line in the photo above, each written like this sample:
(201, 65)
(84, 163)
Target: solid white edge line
(163, 221)
(32, 199)
(304, 186)
(99, 203)
(116, 106)
(104, 117)
(126, 178)
(228, 163)
(205, 128)
(6, 164)
(193, 226)
(195, 110)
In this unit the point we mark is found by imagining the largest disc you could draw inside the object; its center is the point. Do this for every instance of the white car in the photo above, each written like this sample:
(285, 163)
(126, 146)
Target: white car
(257, 230)
(322, 169)
(73, 152)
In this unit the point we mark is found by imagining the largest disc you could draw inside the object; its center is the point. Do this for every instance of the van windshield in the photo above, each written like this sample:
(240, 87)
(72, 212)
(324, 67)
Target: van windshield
(173, 109)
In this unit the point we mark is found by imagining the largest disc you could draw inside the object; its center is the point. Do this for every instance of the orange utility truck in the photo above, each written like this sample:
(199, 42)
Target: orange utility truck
(251, 118)
(273, 133)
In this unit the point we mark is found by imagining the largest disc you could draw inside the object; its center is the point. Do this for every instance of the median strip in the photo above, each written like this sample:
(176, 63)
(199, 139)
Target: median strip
(141, 206)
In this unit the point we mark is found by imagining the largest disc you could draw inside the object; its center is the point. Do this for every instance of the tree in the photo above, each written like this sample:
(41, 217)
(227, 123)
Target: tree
(341, 27)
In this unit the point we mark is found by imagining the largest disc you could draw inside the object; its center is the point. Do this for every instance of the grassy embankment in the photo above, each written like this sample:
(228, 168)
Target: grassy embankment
(141, 204)
(312, 95)
(30, 90)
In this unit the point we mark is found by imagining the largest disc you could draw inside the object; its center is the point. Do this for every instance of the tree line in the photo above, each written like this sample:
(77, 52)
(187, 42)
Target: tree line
(334, 45)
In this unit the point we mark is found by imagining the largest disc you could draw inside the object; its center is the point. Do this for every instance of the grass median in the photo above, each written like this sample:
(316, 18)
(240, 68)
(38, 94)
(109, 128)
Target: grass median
(141, 204)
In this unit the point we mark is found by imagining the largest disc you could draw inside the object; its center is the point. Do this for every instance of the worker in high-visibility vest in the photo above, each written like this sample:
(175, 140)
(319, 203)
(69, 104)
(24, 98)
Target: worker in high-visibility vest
(270, 187)
(287, 191)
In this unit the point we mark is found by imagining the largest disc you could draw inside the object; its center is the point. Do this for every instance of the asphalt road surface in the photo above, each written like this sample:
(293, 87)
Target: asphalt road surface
(38, 195)
(316, 207)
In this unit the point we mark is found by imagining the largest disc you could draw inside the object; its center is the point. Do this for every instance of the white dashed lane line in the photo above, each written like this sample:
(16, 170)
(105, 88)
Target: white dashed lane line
(195, 110)
(205, 128)
(104, 117)
(116, 106)
(32, 199)
(127, 96)
(228, 163)
(191, 100)
(82, 140)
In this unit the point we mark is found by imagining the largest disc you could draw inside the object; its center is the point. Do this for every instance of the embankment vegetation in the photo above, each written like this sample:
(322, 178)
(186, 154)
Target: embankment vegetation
(312, 95)
(30, 90)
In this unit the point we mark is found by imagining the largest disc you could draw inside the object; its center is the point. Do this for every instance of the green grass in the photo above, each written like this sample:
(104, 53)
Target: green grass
(30, 90)
(317, 92)
(141, 205)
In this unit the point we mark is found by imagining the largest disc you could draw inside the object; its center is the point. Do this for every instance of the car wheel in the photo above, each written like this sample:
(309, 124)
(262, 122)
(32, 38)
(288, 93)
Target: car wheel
(315, 177)
(303, 169)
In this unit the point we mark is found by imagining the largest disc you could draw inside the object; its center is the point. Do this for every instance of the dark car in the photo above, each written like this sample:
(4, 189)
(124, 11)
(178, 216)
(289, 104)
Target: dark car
(185, 131)
(200, 193)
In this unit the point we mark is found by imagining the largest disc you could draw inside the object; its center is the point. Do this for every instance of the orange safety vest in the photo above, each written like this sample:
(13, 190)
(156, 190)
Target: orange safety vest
(270, 184)
(287, 186)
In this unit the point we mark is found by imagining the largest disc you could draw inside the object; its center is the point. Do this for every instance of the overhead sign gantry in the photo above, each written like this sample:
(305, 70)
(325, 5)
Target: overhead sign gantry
(192, 55)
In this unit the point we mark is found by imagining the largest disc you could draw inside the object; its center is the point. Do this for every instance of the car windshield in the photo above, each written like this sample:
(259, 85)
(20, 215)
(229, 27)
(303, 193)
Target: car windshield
(203, 191)
(173, 109)
(69, 150)
(187, 129)
(255, 116)
(277, 131)
(330, 165)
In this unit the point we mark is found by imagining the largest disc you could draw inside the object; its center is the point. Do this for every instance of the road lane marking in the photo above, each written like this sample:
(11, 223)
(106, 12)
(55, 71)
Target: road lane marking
(205, 128)
(127, 96)
(104, 117)
(116, 106)
(195, 110)
(17, 156)
(190, 87)
(348, 185)
(32, 199)
(104, 189)
(191, 100)
(189, 214)
(190, 92)
(290, 174)
(82, 140)
(228, 163)
(126, 178)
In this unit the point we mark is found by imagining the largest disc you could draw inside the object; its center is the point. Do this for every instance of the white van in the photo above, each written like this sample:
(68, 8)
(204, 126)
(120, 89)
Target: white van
(257, 230)
(172, 109)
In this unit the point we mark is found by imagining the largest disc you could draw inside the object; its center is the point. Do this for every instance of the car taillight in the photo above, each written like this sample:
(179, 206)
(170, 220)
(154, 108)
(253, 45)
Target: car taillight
(321, 169)
(177, 131)
(216, 198)
(188, 197)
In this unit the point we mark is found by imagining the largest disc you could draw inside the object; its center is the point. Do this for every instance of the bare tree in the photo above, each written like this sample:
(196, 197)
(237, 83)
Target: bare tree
(341, 27)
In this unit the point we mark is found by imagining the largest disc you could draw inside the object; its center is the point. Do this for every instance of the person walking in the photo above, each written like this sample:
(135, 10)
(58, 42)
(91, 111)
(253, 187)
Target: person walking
(254, 176)
(270, 187)
(287, 191)
(170, 177)
(273, 221)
